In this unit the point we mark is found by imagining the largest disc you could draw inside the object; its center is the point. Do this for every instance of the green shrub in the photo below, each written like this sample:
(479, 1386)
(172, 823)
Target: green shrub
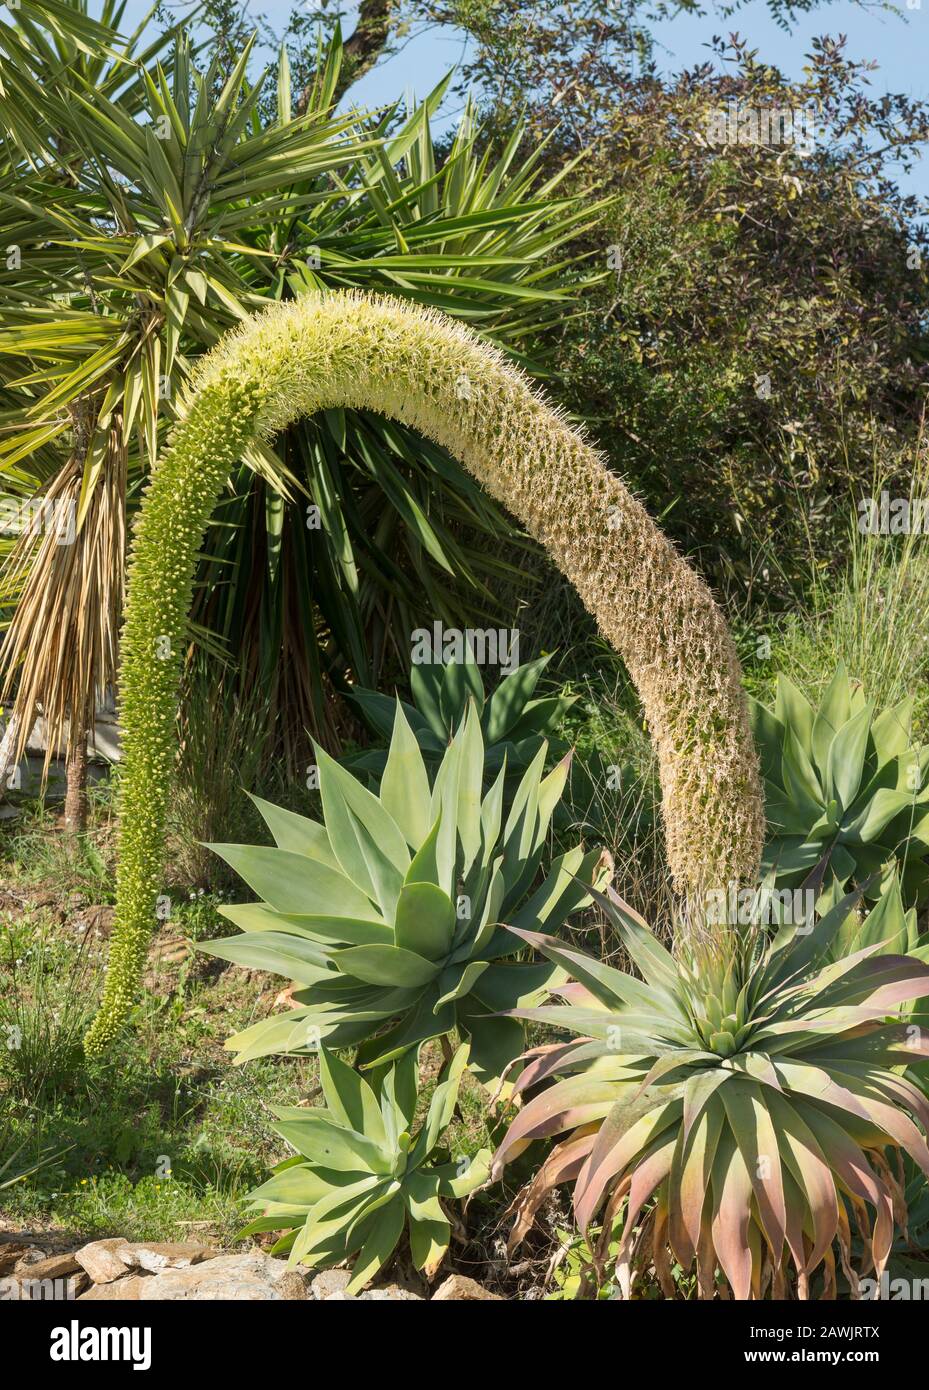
(363, 1174)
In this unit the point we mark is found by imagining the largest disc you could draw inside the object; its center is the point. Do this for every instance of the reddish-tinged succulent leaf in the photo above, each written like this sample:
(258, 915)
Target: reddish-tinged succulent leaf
(562, 1165)
(671, 1062)
(648, 1175)
(628, 1129)
(696, 1169)
(899, 1088)
(812, 1081)
(754, 1133)
(758, 1065)
(794, 1208)
(803, 1156)
(886, 981)
(732, 1202)
(901, 1128)
(697, 1092)
(603, 981)
(565, 1105)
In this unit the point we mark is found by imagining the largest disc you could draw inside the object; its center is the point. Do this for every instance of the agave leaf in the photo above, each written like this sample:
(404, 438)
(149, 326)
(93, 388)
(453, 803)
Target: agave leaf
(386, 965)
(834, 711)
(404, 790)
(255, 917)
(328, 1144)
(425, 920)
(295, 883)
(494, 1042)
(732, 1191)
(891, 731)
(510, 698)
(346, 804)
(298, 834)
(794, 711)
(693, 1165)
(292, 956)
(846, 759)
(606, 984)
(456, 981)
(803, 1157)
(349, 1098)
(632, 1125)
(651, 958)
(379, 1244)
(750, 1121)
(877, 813)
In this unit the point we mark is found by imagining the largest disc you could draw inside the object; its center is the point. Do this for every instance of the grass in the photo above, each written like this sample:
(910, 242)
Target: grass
(871, 613)
(163, 1141)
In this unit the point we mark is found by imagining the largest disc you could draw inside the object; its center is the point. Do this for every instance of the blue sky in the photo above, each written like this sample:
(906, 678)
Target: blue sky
(900, 46)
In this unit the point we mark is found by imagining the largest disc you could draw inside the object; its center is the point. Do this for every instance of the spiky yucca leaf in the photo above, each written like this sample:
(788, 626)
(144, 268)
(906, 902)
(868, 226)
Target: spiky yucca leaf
(845, 782)
(363, 1176)
(391, 911)
(757, 1097)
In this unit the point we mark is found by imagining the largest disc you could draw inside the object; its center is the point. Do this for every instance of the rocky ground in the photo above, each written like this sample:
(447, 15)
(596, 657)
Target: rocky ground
(130, 1271)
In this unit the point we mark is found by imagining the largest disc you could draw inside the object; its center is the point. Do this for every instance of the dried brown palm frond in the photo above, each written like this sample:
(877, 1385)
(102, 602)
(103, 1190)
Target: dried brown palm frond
(66, 570)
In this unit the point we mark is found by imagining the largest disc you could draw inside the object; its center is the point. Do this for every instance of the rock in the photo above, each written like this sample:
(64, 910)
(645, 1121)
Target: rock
(459, 1286)
(329, 1283)
(391, 1293)
(14, 1253)
(102, 1259)
(49, 1267)
(291, 1285)
(122, 1289)
(154, 1257)
(251, 1277)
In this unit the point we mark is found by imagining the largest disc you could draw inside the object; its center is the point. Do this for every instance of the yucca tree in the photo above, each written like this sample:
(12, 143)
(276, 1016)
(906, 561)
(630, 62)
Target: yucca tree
(155, 207)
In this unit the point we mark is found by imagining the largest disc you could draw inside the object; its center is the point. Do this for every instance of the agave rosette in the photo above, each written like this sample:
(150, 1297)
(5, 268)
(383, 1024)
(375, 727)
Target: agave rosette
(749, 1104)
(362, 1176)
(388, 915)
(514, 723)
(845, 783)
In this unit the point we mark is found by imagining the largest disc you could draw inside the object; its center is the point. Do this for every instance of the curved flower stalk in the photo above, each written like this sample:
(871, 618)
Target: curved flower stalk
(363, 1175)
(759, 1103)
(421, 368)
(389, 915)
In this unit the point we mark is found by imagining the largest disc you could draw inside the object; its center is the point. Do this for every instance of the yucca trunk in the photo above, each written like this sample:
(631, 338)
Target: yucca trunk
(8, 745)
(76, 775)
(427, 371)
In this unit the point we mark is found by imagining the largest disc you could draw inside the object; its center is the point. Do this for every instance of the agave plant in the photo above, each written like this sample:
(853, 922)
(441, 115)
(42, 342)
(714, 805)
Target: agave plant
(391, 911)
(513, 724)
(362, 1175)
(844, 785)
(753, 1092)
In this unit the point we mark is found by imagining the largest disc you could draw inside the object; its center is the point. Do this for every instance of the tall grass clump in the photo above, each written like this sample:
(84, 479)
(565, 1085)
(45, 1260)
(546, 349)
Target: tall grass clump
(223, 747)
(872, 612)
